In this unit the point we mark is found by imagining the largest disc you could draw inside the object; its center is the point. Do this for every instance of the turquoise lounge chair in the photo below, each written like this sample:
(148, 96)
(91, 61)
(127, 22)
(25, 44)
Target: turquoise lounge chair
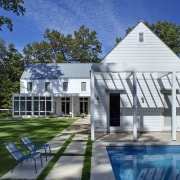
(33, 148)
(17, 154)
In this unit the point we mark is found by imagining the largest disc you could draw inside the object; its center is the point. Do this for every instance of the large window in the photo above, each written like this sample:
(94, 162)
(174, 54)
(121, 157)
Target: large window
(65, 86)
(83, 86)
(35, 106)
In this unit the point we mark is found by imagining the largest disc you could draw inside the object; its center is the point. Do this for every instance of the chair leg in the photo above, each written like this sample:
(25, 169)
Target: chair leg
(12, 170)
(41, 161)
(35, 165)
(21, 163)
(50, 150)
(45, 153)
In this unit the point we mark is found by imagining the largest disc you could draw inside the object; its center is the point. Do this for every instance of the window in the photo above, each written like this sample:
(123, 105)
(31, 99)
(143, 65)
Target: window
(83, 86)
(47, 86)
(65, 86)
(29, 86)
(141, 37)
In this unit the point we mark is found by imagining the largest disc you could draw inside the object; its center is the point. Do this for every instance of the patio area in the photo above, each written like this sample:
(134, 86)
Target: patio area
(101, 167)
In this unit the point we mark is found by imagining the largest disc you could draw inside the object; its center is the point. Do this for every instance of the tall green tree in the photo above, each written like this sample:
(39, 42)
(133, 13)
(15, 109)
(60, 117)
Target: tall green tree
(15, 6)
(168, 32)
(86, 47)
(83, 46)
(11, 68)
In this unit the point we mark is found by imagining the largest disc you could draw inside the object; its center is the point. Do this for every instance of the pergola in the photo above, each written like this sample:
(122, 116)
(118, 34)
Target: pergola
(132, 70)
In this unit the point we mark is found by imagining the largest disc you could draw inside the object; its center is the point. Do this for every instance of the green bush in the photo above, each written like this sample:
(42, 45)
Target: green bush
(5, 114)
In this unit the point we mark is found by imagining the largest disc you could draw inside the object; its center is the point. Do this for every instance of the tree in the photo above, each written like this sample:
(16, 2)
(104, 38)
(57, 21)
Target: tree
(11, 68)
(56, 47)
(86, 47)
(168, 32)
(14, 6)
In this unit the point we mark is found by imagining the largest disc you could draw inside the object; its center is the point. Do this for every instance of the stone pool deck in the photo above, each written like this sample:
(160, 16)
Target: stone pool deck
(101, 167)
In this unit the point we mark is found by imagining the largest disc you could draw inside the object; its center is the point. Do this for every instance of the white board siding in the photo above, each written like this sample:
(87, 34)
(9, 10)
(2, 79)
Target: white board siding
(131, 50)
(150, 113)
(151, 123)
(130, 56)
(56, 86)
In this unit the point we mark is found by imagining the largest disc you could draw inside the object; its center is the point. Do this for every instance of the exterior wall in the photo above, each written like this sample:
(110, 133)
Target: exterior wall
(56, 86)
(74, 93)
(150, 101)
(130, 50)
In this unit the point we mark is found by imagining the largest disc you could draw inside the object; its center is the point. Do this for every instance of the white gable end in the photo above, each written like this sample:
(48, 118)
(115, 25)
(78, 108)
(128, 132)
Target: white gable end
(151, 50)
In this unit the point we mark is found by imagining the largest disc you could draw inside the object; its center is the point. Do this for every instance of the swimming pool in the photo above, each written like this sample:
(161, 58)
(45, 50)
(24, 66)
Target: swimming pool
(145, 162)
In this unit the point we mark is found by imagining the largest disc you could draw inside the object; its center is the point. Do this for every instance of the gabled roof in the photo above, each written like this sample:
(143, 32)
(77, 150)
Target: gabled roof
(57, 71)
(131, 51)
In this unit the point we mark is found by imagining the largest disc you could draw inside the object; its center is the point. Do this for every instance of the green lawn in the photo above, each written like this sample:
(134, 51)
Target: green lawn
(13, 129)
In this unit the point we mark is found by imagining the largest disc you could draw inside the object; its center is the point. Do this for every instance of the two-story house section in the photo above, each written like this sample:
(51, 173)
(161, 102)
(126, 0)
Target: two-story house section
(136, 87)
(59, 88)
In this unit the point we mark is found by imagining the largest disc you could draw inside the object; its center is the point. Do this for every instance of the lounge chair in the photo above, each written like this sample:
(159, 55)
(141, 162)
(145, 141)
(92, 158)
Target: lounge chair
(33, 148)
(17, 154)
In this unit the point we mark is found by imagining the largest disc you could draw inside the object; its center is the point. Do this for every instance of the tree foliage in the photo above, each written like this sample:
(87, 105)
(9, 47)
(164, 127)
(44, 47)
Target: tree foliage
(11, 68)
(168, 32)
(14, 6)
(83, 46)
(86, 46)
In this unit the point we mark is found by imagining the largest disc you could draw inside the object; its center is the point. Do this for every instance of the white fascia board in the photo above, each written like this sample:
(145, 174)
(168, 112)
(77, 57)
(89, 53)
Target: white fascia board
(137, 67)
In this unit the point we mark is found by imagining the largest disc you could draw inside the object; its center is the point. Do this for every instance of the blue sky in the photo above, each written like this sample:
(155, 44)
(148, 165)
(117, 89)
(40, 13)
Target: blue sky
(109, 18)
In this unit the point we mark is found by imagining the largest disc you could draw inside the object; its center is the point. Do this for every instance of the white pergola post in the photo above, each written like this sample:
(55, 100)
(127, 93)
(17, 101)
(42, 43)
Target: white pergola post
(173, 124)
(134, 107)
(92, 105)
(72, 115)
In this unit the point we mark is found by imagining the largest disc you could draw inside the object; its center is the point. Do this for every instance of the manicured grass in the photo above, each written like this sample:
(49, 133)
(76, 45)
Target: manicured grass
(48, 168)
(13, 129)
(86, 171)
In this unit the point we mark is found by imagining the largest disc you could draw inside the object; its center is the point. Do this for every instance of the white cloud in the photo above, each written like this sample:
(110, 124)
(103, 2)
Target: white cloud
(68, 15)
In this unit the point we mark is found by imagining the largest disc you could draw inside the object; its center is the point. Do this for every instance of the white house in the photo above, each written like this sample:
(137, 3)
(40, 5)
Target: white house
(60, 88)
(136, 86)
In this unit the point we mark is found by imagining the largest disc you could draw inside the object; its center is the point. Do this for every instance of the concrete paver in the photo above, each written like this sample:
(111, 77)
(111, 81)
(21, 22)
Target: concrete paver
(67, 168)
(55, 146)
(27, 170)
(81, 137)
(61, 137)
(76, 148)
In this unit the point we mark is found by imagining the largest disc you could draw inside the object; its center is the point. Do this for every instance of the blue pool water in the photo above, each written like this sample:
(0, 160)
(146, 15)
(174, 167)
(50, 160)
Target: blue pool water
(145, 162)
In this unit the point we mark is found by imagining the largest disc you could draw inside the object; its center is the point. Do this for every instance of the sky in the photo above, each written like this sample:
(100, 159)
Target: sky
(109, 18)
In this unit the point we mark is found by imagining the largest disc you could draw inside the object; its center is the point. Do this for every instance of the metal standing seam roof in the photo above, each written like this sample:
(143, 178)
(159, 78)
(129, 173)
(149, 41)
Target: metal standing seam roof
(57, 71)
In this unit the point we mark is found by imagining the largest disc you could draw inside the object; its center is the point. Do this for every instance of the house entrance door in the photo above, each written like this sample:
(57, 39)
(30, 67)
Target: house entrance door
(114, 108)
